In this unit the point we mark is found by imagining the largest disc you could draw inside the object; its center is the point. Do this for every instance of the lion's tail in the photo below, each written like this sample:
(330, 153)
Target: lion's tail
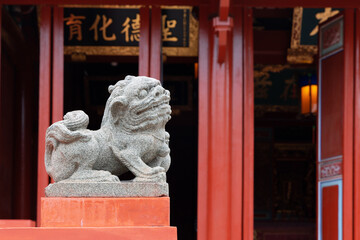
(65, 131)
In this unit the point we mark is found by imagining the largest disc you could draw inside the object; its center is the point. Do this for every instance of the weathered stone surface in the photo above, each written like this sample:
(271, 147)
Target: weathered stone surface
(107, 189)
(132, 138)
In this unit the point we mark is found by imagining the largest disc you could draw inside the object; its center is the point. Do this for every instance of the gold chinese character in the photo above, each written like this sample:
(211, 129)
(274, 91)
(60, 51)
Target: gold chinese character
(105, 24)
(322, 17)
(166, 26)
(134, 34)
(74, 23)
(290, 89)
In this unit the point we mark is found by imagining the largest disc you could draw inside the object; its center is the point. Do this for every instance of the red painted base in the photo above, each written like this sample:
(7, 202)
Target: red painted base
(105, 212)
(6, 223)
(123, 233)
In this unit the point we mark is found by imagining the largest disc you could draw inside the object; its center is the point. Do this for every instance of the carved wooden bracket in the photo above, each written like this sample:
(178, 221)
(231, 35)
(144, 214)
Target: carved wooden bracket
(222, 28)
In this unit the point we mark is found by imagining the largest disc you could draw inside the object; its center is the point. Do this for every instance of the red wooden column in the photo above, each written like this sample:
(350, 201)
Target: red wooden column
(155, 43)
(58, 65)
(144, 45)
(248, 171)
(0, 56)
(150, 42)
(225, 195)
(357, 128)
(44, 99)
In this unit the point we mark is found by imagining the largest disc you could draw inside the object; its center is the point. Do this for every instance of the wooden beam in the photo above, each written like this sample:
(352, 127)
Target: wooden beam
(103, 2)
(244, 3)
(296, 3)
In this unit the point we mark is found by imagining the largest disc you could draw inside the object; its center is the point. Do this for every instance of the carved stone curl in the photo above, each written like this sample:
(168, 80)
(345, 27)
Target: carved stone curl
(132, 138)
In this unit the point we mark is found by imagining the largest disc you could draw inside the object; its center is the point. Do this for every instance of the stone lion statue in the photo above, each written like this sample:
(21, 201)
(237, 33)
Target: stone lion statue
(132, 137)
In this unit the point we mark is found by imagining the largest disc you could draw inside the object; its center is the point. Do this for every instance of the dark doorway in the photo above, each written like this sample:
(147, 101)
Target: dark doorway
(285, 160)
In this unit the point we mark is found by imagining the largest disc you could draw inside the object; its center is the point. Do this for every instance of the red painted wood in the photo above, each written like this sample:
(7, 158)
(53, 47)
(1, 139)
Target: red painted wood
(44, 99)
(237, 108)
(222, 137)
(224, 9)
(58, 65)
(248, 206)
(0, 58)
(105, 2)
(105, 233)
(337, 126)
(216, 153)
(156, 42)
(248, 3)
(330, 213)
(7, 223)
(219, 157)
(348, 161)
(204, 119)
(296, 3)
(332, 106)
(357, 128)
(144, 45)
(105, 212)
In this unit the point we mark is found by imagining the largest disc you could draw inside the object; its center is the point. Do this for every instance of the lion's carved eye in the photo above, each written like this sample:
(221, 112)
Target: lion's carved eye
(142, 94)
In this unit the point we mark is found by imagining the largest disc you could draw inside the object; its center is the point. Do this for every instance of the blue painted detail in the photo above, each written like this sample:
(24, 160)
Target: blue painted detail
(321, 185)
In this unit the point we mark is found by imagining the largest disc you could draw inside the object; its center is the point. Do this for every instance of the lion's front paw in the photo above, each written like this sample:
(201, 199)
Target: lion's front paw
(159, 177)
(157, 169)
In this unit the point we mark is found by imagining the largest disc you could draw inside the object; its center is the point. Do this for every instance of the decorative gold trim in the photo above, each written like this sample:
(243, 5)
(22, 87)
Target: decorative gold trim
(299, 54)
(296, 27)
(102, 6)
(302, 54)
(107, 51)
(191, 51)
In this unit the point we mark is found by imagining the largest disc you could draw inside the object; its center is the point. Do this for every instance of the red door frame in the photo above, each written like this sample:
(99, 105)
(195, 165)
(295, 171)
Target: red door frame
(356, 156)
(336, 146)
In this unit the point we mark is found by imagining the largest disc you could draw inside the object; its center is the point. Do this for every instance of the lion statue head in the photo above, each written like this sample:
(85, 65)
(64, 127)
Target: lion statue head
(137, 103)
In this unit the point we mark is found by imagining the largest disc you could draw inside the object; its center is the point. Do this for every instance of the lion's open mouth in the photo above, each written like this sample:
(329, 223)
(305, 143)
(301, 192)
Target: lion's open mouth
(154, 107)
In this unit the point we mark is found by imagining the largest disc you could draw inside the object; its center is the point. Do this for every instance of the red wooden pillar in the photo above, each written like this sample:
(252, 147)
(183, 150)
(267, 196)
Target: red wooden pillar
(150, 42)
(144, 45)
(44, 99)
(58, 65)
(155, 43)
(248, 171)
(225, 195)
(0, 55)
(357, 128)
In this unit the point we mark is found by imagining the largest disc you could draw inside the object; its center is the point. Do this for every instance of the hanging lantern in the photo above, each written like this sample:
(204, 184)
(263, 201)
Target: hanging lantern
(309, 92)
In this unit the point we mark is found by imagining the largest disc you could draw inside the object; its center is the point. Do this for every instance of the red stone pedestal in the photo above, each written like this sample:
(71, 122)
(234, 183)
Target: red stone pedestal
(100, 218)
(105, 212)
